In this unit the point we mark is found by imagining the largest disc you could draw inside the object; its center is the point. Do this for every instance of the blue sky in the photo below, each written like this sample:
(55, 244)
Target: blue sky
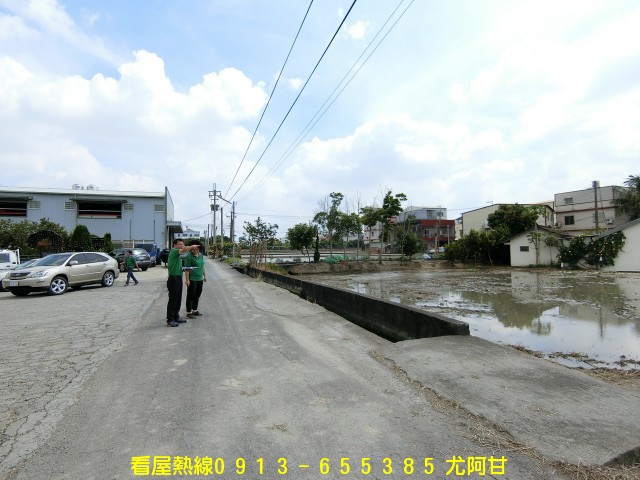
(462, 104)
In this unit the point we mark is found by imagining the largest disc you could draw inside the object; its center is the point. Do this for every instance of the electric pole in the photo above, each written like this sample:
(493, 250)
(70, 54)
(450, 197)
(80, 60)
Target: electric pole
(213, 196)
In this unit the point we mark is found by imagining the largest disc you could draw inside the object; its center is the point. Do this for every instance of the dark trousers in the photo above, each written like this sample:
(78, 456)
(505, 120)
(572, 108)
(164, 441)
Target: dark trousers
(194, 290)
(130, 275)
(174, 285)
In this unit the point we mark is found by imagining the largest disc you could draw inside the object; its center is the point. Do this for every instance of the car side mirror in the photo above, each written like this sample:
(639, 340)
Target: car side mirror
(73, 262)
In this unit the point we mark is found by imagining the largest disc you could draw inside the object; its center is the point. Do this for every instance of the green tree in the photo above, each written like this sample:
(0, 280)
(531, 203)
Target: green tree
(348, 224)
(629, 199)
(328, 217)
(108, 244)
(301, 237)
(410, 244)
(370, 217)
(259, 234)
(80, 239)
(515, 218)
(391, 207)
(17, 234)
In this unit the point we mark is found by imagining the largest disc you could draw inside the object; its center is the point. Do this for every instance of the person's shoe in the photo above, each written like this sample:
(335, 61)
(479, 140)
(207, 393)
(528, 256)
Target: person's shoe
(190, 315)
(181, 320)
(126, 284)
(196, 313)
(136, 283)
(172, 324)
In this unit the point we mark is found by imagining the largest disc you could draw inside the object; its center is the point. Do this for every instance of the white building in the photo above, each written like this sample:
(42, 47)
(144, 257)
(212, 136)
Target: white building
(589, 210)
(127, 216)
(478, 219)
(523, 251)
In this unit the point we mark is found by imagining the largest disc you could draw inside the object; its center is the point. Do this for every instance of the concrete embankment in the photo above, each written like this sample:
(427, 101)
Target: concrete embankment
(389, 320)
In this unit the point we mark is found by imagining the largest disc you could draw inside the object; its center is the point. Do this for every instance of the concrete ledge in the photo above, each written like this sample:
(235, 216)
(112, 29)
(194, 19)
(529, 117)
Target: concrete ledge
(392, 321)
(563, 413)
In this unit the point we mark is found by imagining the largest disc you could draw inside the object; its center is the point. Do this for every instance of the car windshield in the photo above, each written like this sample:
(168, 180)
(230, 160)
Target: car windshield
(53, 260)
(28, 263)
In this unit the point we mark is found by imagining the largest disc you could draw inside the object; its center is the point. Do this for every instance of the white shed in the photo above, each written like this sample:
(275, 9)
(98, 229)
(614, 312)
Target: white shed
(523, 250)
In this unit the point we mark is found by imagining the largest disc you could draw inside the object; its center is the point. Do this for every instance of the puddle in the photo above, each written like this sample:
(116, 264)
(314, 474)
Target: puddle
(577, 318)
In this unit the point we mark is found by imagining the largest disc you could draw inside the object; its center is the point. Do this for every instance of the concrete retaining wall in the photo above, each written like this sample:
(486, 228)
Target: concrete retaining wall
(392, 321)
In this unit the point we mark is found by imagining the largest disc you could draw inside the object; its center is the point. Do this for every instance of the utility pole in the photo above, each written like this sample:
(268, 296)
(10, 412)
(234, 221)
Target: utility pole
(233, 233)
(221, 231)
(213, 196)
(596, 184)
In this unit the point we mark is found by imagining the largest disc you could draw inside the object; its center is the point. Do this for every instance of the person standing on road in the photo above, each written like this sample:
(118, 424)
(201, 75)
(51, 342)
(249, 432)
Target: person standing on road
(194, 278)
(130, 263)
(174, 282)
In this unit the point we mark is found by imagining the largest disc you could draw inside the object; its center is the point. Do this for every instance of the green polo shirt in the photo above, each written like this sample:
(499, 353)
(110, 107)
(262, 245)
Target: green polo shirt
(130, 262)
(174, 262)
(197, 274)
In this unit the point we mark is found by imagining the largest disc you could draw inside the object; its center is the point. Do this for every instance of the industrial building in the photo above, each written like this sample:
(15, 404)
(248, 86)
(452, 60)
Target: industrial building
(128, 216)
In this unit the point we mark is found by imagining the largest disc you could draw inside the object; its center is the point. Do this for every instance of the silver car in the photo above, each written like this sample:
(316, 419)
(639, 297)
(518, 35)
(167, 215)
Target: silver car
(57, 272)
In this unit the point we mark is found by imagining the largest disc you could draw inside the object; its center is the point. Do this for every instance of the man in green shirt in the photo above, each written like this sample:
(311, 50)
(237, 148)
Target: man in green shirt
(130, 263)
(194, 278)
(174, 282)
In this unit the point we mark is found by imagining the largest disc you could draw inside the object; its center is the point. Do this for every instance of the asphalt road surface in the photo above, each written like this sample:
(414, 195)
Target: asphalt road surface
(265, 385)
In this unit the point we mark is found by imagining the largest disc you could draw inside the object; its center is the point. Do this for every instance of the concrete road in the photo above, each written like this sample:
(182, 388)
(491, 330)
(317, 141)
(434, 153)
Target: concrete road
(95, 385)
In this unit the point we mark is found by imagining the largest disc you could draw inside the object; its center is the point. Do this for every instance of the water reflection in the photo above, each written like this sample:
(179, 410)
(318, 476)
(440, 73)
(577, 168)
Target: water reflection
(592, 313)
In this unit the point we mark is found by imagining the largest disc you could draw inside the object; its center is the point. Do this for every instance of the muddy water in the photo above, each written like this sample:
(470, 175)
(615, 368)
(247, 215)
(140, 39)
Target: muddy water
(576, 318)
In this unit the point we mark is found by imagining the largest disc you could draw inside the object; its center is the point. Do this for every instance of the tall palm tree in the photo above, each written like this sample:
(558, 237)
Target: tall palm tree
(629, 199)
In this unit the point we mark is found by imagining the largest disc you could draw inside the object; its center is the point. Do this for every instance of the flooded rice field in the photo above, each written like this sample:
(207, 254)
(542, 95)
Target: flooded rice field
(578, 318)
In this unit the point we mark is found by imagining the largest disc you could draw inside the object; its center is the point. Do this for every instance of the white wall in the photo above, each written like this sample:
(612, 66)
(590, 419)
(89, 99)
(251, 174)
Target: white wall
(628, 260)
(523, 259)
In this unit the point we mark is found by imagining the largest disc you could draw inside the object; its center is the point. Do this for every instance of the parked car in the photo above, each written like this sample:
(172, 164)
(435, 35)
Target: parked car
(140, 254)
(57, 272)
(4, 273)
(151, 250)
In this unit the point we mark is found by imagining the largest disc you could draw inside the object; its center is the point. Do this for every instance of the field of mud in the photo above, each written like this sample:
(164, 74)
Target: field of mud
(587, 319)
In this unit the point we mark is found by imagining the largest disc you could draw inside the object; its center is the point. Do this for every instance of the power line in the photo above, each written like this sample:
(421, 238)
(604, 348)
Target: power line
(269, 100)
(296, 99)
(311, 124)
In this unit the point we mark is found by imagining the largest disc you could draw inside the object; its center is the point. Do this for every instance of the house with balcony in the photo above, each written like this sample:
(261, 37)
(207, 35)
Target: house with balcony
(430, 224)
(588, 211)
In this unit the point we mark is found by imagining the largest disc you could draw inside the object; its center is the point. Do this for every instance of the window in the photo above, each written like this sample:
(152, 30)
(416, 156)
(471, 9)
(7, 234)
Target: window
(158, 207)
(524, 248)
(34, 205)
(69, 205)
(569, 220)
(99, 210)
(128, 207)
(568, 200)
(13, 208)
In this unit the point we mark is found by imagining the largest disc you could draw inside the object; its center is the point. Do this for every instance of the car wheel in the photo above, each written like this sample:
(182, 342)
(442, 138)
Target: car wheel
(144, 269)
(20, 292)
(58, 286)
(121, 267)
(107, 279)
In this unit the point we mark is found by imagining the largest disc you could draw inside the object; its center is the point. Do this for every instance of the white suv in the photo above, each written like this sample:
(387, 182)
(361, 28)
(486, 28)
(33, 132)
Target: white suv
(59, 271)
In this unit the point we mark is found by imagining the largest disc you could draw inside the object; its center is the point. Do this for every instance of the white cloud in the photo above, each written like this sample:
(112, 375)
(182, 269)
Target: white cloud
(14, 28)
(357, 30)
(528, 101)
(295, 83)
